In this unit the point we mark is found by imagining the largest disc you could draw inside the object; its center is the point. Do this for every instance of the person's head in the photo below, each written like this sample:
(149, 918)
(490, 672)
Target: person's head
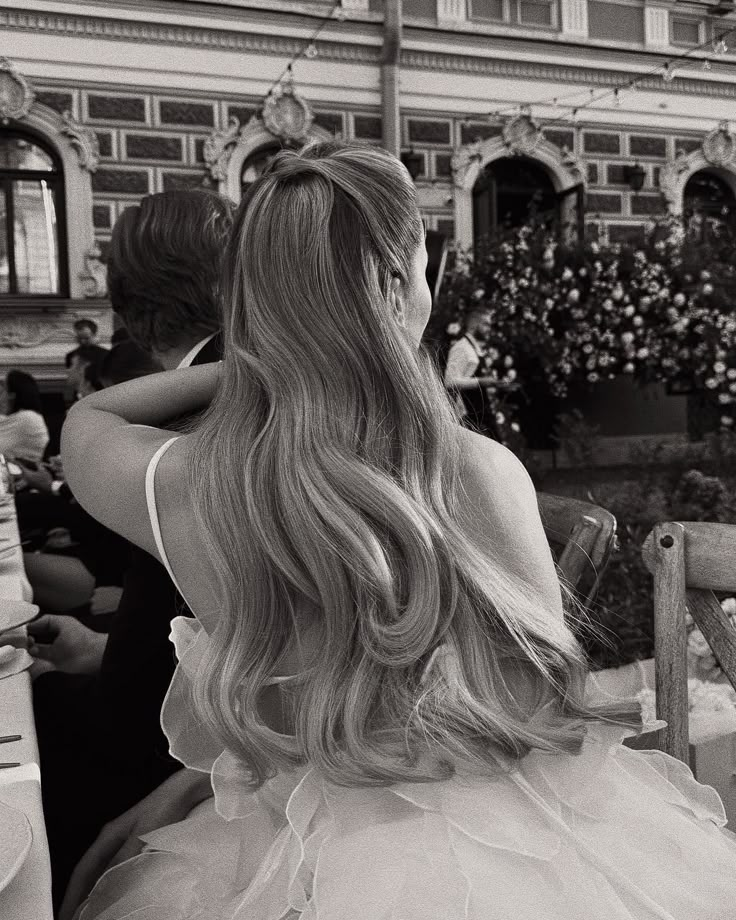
(22, 392)
(326, 476)
(479, 322)
(85, 331)
(163, 270)
(126, 361)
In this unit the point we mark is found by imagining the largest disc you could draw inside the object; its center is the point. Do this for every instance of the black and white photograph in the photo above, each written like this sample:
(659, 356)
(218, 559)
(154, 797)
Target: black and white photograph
(367, 460)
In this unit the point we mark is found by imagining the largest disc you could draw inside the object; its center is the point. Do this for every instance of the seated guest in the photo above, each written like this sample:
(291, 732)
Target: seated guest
(23, 431)
(100, 739)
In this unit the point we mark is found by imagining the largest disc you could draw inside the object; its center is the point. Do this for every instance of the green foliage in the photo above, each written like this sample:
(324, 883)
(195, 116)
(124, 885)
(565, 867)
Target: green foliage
(679, 491)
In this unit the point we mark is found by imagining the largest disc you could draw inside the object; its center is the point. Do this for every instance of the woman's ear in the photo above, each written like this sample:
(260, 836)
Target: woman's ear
(396, 300)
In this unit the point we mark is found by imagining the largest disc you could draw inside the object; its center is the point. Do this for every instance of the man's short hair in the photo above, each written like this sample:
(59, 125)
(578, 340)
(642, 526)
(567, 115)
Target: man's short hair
(163, 272)
(126, 361)
(86, 324)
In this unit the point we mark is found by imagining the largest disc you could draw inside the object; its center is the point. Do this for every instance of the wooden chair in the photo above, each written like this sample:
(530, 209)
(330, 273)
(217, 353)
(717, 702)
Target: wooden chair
(689, 561)
(582, 537)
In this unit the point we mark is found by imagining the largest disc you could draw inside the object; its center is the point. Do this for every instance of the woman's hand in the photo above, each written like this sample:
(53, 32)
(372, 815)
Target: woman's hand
(120, 839)
(66, 644)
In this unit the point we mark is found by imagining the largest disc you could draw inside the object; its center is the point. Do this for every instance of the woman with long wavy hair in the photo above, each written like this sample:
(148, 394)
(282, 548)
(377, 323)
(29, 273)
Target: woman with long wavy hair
(380, 702)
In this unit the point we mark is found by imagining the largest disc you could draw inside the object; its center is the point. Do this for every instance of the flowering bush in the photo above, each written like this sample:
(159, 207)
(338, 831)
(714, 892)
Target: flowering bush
(577, 314)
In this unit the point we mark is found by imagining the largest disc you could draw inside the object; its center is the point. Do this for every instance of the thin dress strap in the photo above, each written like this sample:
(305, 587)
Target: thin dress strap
(153, 509)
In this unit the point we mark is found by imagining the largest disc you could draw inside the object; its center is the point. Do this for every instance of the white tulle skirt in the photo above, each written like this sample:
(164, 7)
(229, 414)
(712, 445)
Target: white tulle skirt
(606, 834)
(609, 834)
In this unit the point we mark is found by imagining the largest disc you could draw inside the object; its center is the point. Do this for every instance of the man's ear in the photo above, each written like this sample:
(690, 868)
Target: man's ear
(396, 300)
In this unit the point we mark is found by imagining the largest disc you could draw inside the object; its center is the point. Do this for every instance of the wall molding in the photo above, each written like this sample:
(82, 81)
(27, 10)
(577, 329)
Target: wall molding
(448, 62)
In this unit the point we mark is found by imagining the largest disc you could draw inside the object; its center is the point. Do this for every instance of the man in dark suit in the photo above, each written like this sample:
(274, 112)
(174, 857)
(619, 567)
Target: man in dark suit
(101, 744)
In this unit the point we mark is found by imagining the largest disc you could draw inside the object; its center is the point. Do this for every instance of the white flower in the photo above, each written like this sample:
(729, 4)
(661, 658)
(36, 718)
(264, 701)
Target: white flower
(629, 310)
(508, 361)
(479, 293)
(728, 606)
(573, 296)
(628, 368)
(500, 418)
(725, 399)
(627, 338)
(593, 377)
(566, 274)
(511, 374)
(608, 304)
(515, 427)
(638, 321)
(711, 383)
(583, 272)
(731, 373)
(453, 329)
(645, 303)
(587, 348)
(705, 276)
(594, 247)
(707, 289)
(719, 367)
(549, 303)
(732, 387)
(679, 300)
(642, 353)
(726, 421)
(617, 293)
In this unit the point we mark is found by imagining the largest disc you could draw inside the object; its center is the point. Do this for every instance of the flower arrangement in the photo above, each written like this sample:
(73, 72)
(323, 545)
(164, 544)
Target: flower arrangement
(578, 314)
(703, 696)
(701, 660)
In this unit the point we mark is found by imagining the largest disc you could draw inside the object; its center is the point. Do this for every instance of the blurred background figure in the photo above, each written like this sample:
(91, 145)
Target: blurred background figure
(87, 354)
(23, 431)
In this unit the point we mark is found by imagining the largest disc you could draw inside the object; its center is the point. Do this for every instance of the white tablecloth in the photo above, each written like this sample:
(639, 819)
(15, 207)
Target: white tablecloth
(28, 896)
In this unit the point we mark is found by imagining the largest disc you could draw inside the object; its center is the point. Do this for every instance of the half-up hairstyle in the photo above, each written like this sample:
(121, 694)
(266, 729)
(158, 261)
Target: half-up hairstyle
(326, 477)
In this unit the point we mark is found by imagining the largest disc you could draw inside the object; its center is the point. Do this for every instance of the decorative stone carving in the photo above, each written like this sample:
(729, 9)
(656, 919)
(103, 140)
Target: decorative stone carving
(19, 332)
(94, 276)
(719, 145)
(218, 148)
(718, 150)
(574, 164)
(521, 134)
(286, 114)
(16, 95)
(462, 160)
(83, 140)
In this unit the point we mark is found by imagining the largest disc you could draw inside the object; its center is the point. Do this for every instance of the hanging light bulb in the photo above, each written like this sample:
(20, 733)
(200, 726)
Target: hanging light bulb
(669, 73)
(311, 51)
(633, 86)
(706, 64)
(617, 98)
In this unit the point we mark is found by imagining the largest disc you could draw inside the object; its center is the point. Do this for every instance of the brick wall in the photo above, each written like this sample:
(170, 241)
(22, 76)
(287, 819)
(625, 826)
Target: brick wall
(151, 142)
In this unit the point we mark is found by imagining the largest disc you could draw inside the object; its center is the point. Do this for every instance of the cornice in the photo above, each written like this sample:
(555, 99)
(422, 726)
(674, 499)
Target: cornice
(283, 46)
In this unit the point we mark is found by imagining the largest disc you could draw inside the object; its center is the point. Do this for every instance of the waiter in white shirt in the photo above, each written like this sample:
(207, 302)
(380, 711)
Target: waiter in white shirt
(462, 371)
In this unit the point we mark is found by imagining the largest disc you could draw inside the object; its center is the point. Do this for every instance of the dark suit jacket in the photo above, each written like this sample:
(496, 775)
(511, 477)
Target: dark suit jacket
(100, 739)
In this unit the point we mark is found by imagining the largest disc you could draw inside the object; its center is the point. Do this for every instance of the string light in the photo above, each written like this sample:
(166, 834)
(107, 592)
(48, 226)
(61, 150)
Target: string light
(616, 97)
(667, 72)
(309, 50)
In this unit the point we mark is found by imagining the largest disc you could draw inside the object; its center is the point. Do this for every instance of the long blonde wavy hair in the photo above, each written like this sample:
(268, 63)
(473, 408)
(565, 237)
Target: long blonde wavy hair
(325, 475)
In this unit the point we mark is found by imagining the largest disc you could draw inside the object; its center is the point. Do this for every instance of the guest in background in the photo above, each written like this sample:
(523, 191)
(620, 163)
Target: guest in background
(464, 361)
(87, 354)
(23, 431)
(98, 704)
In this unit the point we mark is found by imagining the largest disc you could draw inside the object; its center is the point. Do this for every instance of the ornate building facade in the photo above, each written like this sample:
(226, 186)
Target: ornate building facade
(604, 111)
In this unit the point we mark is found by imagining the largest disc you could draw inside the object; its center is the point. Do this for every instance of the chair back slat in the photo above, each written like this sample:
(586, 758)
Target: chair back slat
(710, 556)
(583, 535)
(689, 561)
(667, 548)
(716, 628)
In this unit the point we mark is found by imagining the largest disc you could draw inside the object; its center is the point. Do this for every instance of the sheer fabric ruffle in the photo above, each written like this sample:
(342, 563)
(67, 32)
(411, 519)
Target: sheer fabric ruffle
(609, 833)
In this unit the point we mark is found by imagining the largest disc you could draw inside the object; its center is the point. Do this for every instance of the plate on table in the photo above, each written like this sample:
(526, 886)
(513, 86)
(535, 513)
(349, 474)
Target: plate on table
(15, 612)
(16, 838)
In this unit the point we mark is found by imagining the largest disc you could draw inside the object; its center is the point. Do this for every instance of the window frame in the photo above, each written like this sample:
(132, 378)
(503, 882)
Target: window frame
(700, 23)
(55, 179)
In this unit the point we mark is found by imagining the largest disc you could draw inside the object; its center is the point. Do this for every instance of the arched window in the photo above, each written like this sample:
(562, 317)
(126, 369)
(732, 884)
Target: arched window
(710, 195)
(509, 192)
(32, 233)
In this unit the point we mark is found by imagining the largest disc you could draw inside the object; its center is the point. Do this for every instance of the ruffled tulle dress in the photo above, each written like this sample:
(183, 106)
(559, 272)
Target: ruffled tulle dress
(606, 834)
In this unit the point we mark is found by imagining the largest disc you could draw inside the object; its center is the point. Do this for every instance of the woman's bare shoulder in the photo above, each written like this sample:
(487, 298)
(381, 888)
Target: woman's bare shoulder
(491, 468)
